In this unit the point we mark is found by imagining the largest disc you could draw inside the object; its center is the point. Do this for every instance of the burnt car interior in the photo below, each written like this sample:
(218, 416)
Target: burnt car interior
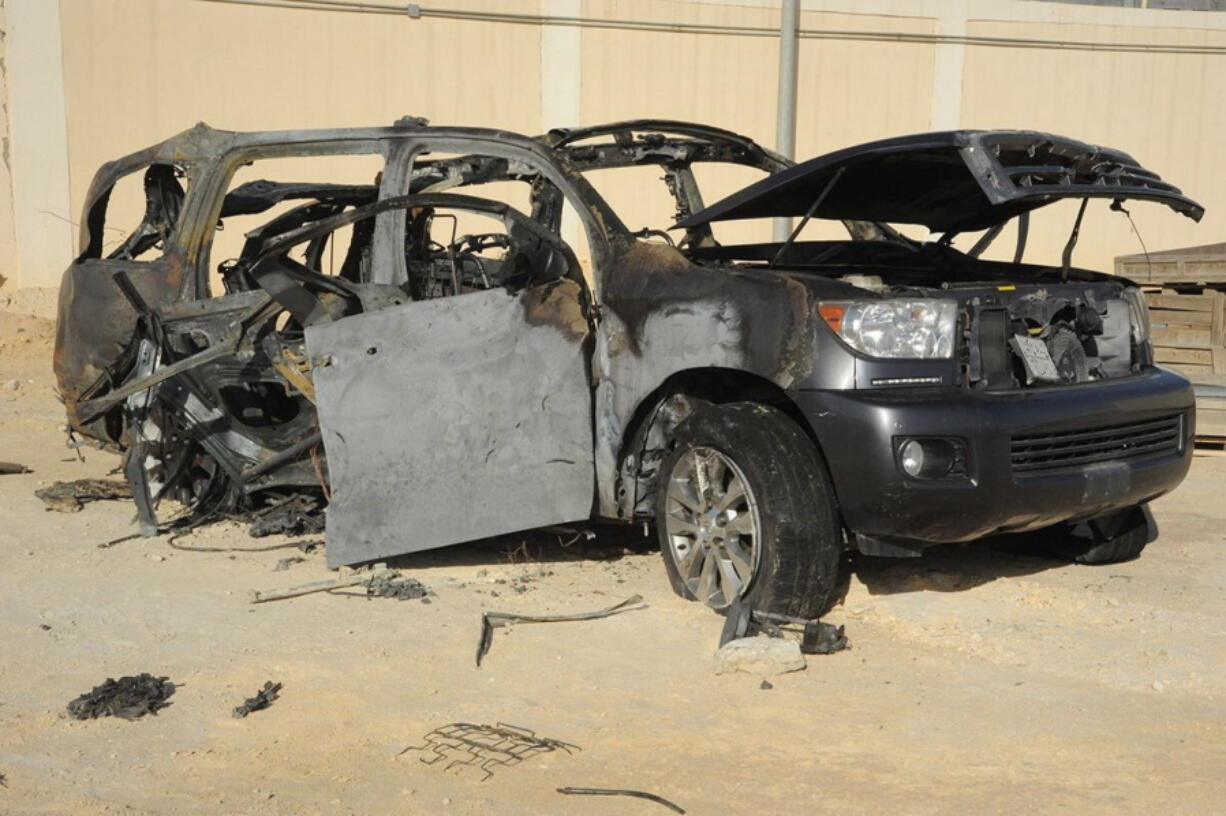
(233, 426)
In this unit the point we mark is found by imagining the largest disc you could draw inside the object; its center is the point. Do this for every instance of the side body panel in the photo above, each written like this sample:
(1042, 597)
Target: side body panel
(662, 315)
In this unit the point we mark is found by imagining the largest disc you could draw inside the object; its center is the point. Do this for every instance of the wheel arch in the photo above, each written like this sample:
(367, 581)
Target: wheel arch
(668, 404)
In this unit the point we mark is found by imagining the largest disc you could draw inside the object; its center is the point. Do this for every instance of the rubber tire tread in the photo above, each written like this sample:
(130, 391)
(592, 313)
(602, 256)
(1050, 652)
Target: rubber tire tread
(802, 539)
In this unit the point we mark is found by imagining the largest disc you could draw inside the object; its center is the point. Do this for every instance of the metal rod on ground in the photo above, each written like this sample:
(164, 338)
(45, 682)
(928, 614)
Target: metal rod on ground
(319, 586)
(785, 124)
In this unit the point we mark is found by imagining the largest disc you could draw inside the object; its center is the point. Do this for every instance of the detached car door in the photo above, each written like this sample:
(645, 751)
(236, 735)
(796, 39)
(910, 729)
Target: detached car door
(466, 412)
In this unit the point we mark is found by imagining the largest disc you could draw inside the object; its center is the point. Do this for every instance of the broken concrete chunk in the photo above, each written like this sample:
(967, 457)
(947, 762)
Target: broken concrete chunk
(763, 656)
(69, 497)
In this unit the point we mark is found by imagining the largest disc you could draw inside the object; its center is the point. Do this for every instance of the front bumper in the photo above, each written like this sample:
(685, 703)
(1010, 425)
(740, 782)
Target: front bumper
(857, 431)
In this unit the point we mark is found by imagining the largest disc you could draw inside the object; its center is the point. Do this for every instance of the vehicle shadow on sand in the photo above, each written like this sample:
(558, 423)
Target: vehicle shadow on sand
(953, 567)
(942, 568)
(589, 542)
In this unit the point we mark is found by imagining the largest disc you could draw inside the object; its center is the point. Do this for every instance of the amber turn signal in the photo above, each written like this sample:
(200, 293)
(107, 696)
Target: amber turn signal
(833, 315)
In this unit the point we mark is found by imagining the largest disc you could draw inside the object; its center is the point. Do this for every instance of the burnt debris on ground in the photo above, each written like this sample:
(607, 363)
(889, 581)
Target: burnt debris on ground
(69, 497)
(262, 700)
(484, 747)
(127, 698)
(297, 515)
(394, 585)
(493, 620)
(378, 582)
(817, 638)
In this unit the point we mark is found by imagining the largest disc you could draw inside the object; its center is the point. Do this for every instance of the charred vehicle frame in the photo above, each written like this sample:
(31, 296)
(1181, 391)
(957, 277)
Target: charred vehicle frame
(766, 405)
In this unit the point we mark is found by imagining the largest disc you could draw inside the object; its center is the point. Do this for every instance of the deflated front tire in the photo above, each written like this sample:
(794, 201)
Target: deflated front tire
(746, 509)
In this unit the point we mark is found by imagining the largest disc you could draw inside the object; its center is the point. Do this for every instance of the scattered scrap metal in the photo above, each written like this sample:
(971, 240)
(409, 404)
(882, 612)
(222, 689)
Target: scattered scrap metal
(296, 515)
(484, 747)
(379, 583)
(493, 620)
(127, 698)
(69, 497)
(816, 637)
(623, 792)
(262, 700)
(10, 468)
(353, 579)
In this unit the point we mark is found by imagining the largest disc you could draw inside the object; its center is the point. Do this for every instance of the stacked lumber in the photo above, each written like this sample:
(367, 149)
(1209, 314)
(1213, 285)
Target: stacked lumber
(1193, 265)
(1189, 331)
(1189, 335)
(1187, 310)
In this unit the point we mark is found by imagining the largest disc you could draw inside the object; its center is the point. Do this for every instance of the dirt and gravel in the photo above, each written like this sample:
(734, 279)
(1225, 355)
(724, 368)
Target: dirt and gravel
(979, 680)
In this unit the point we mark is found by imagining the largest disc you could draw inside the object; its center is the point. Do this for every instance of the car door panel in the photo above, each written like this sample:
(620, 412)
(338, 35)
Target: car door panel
(454, 419)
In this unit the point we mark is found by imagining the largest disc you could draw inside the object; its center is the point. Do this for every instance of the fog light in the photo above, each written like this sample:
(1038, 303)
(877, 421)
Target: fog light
(912, 457)
(931, 458)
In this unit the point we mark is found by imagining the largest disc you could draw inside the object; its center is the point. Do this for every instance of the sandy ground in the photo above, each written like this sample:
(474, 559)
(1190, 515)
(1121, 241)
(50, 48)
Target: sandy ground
(979, 680)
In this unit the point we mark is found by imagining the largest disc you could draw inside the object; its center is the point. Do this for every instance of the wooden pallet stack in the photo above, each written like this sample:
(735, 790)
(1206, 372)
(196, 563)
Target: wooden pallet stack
(1188, 330)
(1185, 289)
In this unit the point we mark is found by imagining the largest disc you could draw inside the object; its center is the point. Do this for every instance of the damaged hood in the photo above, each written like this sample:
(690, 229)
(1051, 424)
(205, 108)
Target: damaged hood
(960, 181)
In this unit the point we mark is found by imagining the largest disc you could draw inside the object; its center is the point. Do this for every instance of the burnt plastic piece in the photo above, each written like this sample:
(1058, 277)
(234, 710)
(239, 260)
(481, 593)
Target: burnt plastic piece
(127, 698)
(262, 700)
(823, 638)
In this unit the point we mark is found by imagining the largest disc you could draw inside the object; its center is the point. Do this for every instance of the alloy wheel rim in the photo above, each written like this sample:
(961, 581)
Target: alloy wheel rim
(712, 523)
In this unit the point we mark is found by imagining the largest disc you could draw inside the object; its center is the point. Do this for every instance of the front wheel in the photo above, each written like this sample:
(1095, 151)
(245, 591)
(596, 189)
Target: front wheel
(745, 509)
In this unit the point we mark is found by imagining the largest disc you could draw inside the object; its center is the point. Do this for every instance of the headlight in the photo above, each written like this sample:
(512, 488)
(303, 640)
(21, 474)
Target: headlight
(1138, 312)
(900, 329)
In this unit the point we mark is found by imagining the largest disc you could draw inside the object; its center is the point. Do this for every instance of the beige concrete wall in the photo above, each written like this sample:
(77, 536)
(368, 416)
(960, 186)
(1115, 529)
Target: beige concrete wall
(8, 236)
(1167, 110)
(37, 142)
(136, 71)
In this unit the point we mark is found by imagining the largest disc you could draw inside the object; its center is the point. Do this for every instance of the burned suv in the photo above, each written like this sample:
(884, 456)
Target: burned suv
(466, 340)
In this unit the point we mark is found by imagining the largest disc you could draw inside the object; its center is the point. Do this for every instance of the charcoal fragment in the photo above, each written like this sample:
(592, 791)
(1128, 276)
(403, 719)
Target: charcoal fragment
(127, 698)
(262, 700)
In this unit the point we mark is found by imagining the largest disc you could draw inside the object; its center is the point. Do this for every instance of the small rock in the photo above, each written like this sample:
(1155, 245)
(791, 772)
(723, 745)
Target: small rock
(763, 656)
(155, 557)
(766, 685)
(12, 385)
(1158, 685)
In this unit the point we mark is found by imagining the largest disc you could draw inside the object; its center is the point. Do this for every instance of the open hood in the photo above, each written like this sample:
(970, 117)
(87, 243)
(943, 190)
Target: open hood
(960, 181)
